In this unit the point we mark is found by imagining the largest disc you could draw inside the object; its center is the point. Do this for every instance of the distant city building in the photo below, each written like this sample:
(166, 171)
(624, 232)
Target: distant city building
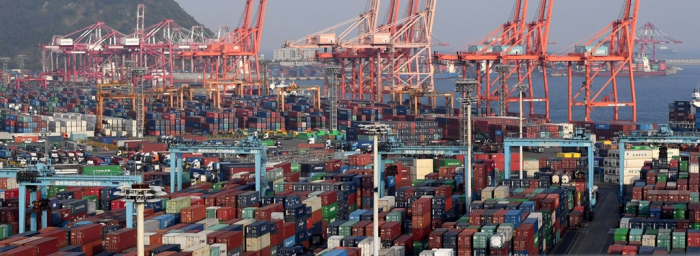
(294, 54)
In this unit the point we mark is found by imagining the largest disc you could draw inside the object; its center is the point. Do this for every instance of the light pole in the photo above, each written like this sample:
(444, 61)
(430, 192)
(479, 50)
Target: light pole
(521, 88)
(465, 88)
(139, 193)
(376, 130)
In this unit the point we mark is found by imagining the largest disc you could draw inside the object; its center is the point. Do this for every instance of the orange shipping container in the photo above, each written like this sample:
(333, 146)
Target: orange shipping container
(26, 139)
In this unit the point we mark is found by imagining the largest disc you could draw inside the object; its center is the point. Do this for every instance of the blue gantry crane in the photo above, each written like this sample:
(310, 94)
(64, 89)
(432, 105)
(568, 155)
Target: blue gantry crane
(663, 135)
(579, 139)
(249, 146)
(37, 178)
(391, 146)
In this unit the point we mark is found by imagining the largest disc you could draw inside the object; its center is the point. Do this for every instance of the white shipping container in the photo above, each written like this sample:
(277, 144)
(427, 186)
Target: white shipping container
(383, 252)
(11, 182)
(258, 243)
(400, 250)
(501, 192)
(649, 240)
(693, 168)
(147, 237)
(427, 253)
(538, 216)
(507, 231)
(531, 165)
(208, 222)
(198, 250)
(313, 202)
(444, 252)
(387, 203)
(334, 241)
(277, 216)
(611, 178)
(367, 246)
(423, 167)
(487, 192)
(631, 174)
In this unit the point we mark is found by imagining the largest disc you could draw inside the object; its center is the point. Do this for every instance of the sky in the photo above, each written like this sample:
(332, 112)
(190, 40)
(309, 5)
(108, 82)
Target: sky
(457, 22)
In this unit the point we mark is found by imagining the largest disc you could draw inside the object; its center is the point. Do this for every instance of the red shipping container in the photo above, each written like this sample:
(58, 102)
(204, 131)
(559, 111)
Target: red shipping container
(193, 214)
(421, 221)
(359, 228)
(464, 239)
(421, 206)
(333, 165)
(59, 234)
(369, 229)
(435, 238)
(211, 237)
(232, 239)
(405, 241)
(44, 246)
(225, 213)
(20, 251)
(329, 197)
(85, 234)
(390, 230)
(264, 213)
(95, 247)
(119, 240)
(420, 234)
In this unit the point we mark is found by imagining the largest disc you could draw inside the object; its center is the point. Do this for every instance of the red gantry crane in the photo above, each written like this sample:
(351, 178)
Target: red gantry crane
(517, 44)
(81, 54)
(613, 46)
(648, 36)
(233, 58)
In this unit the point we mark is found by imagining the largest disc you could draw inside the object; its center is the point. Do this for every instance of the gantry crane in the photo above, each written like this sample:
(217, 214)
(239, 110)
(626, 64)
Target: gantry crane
(648, 36)
(282, 91)
(615, 49)
(212, 93)
(236, 53)
(517, 44)
(174, 94)
(103, 94)
(417, 94)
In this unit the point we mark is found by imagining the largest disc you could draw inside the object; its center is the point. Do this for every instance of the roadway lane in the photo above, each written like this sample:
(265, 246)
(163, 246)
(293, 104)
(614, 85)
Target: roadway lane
(594, 237)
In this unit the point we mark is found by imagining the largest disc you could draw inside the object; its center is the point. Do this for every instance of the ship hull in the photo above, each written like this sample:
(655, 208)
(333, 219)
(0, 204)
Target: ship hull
(607, 74)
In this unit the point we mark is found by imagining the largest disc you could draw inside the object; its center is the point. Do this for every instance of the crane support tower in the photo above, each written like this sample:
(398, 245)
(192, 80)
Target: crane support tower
(613, 46)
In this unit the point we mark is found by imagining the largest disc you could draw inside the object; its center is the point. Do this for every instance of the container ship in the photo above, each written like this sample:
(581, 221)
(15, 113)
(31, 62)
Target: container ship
(643, 67)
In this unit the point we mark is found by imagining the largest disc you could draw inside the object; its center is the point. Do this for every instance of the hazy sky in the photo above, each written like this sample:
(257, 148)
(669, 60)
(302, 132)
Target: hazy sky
(457, 21)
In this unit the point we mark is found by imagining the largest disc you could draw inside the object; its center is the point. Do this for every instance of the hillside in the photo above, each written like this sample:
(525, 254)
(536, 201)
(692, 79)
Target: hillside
(27, 23)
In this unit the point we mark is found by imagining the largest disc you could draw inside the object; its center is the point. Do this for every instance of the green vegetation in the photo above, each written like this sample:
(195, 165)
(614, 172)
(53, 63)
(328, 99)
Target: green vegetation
(28, 23)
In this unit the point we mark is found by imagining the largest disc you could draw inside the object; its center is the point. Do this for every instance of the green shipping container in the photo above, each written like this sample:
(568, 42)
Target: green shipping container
(211, 212)
(296, 168)
(176, 205)
(346, 228)
(449, 163)
(418, 247)
(5, 231)
(621, 234)
(481, 240)
(329, 210)
(249, 212)
(104, 170)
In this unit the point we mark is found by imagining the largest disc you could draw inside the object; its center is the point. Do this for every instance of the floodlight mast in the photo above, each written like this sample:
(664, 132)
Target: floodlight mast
(376, 130)
(521, 88)
(465, 87)
(139, 194)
